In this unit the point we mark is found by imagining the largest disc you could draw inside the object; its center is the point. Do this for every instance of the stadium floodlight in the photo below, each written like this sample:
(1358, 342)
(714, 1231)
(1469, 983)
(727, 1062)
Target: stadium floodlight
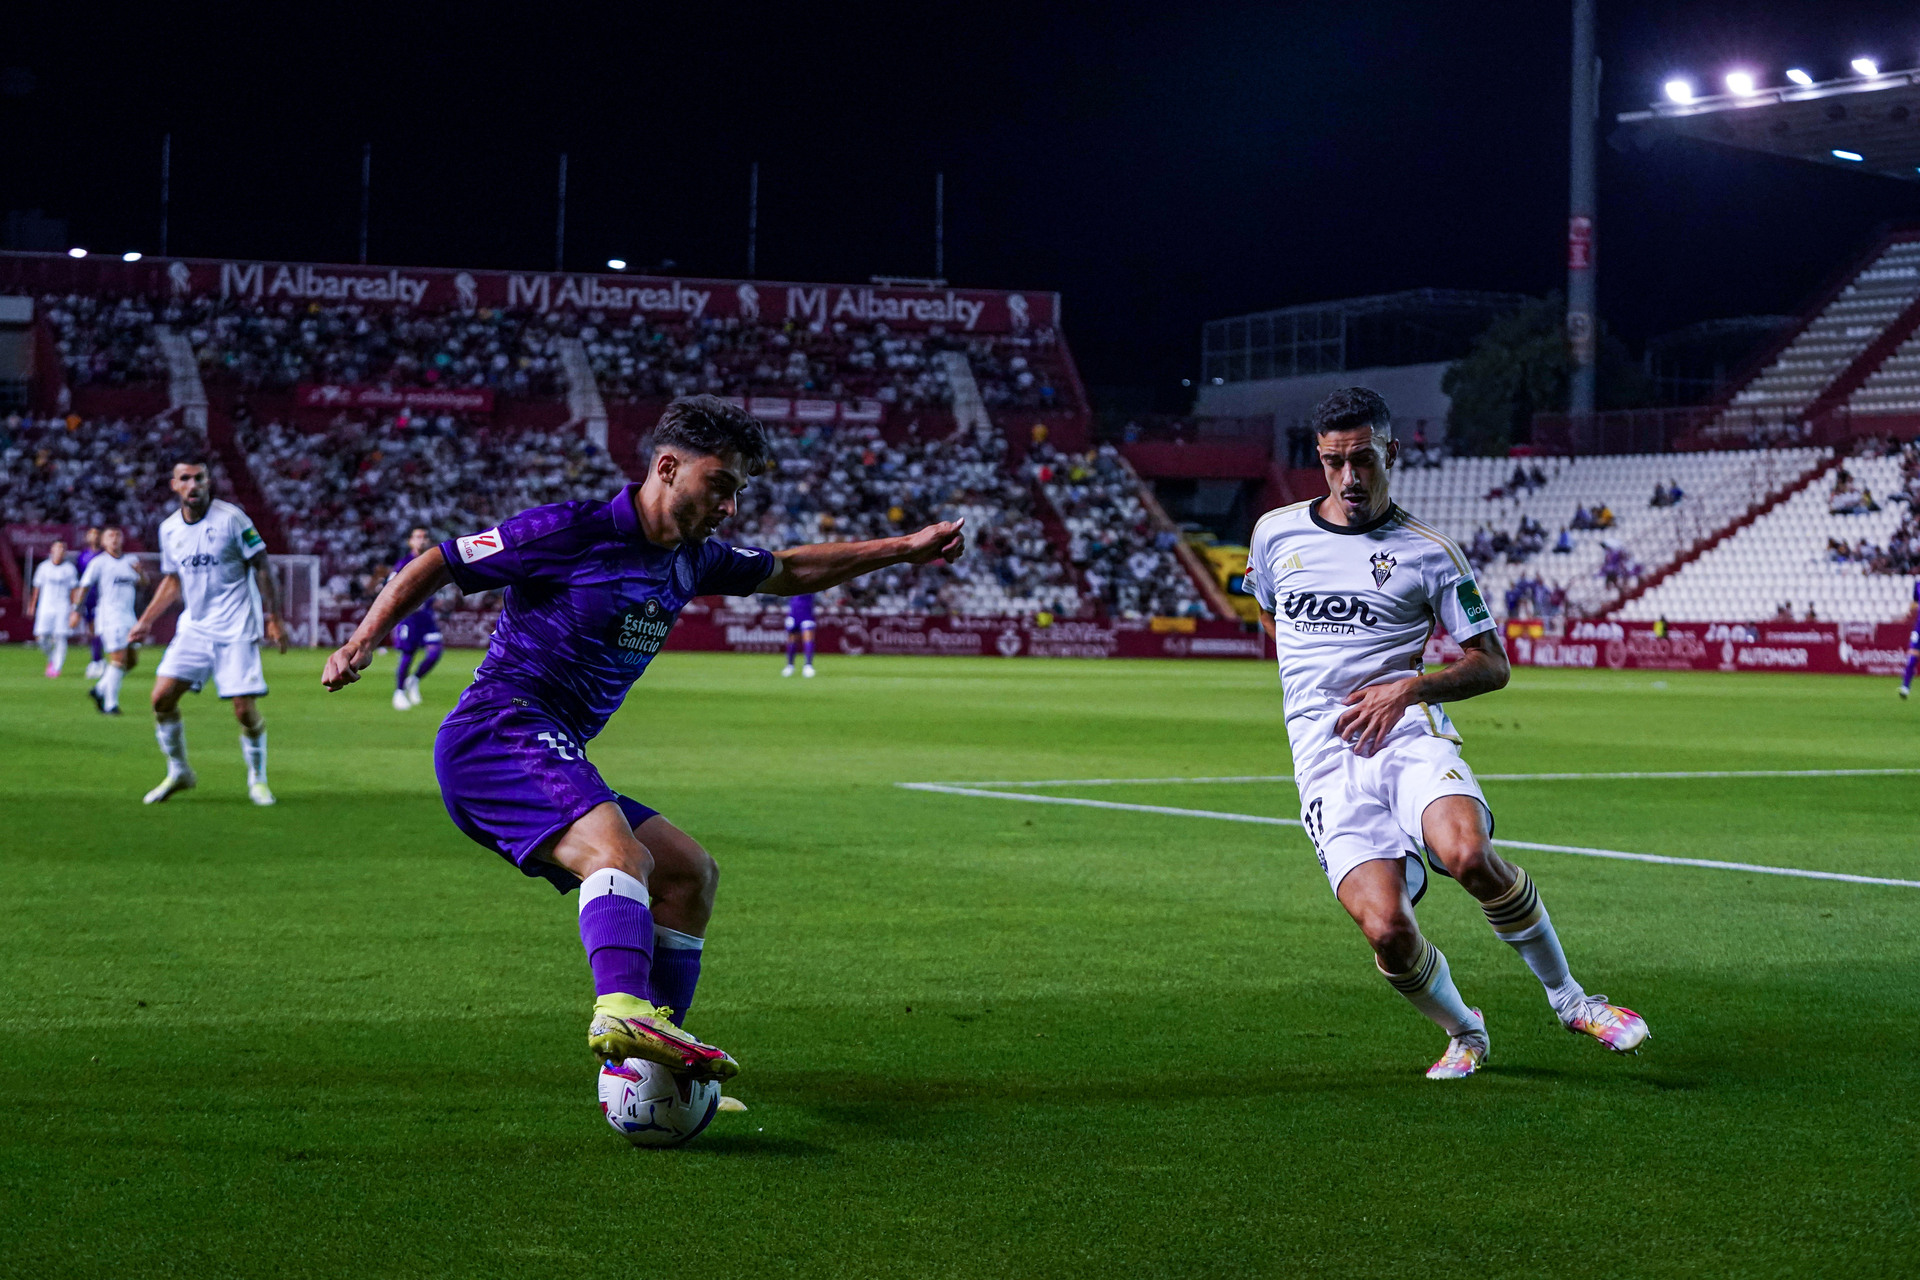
(131, 255)
(76, 252)
(1680, 90)
(1866, 66)
(1854, 156)
(616, 264)
(1800, 77)
(1740, 83)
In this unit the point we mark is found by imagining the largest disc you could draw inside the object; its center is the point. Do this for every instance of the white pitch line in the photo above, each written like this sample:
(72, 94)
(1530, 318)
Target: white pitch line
(1262, 820)
(1484, 777)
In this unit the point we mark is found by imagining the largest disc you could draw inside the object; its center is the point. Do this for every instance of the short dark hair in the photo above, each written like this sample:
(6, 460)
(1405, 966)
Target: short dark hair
(190, 458)
(1351, 408)
(709, 425)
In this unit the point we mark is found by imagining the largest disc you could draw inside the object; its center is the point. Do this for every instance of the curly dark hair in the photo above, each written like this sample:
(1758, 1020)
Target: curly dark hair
(709, 425)
(1351, 408)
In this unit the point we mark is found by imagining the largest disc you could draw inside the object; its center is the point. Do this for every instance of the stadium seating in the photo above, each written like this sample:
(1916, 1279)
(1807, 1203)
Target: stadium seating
(1125, 555)
(93, 472)
(848, 484)
(1472, 500)
(1893, 388)
(351, 492)
(1789, 556)
(1835, 338)
(106, 341)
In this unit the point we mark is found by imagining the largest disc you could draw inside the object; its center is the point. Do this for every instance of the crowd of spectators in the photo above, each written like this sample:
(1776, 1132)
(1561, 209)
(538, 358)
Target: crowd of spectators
(351, 492)
(1849, 497)
(1901, 554)
(106, 342)
(1527, 540)
(1013, 371)
(74, 471)
(1534, 597)
(273, 346)
(846, 484)
(1125, 556)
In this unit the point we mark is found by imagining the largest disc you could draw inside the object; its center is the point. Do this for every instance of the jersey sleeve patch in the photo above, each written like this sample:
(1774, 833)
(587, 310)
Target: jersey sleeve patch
(1470, 602)
(478, 546)
(250, 539)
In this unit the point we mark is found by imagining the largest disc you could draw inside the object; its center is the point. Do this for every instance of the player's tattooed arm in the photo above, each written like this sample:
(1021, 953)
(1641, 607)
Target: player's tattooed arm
(270, 600)
(165, 596)
(1372, 712)
(405, 592)
(800, 570)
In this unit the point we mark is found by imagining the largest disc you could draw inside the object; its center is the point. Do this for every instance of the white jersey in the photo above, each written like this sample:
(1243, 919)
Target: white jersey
(1355, 606)
(118, 580)
(55, 583)
(213, 558)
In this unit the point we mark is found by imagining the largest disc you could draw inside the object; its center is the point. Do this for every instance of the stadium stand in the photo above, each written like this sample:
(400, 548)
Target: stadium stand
(1838, 334)
(1841, 548)
(850, 483)
(1588, 527)
(106, 341)
(93, 472)
(1123, 552)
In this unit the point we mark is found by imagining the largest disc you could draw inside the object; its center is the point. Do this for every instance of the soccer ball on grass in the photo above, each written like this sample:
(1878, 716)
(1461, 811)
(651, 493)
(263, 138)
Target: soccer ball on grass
(653, 1107)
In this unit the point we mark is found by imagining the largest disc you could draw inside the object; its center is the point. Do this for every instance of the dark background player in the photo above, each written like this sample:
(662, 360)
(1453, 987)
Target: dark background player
(800, 628)
(418, 631)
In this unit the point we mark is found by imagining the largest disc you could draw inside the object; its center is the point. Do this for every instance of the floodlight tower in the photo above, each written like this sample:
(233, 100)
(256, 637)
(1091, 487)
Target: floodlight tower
(1582, 337)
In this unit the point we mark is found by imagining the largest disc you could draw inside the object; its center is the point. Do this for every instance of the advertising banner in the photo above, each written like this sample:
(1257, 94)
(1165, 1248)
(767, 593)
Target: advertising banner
(619, 296)
(1861, 648)
(451, 399)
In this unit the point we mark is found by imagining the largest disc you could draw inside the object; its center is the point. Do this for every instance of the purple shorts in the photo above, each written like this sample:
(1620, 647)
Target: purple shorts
(513, 777)
(416, 631)
(799, 612)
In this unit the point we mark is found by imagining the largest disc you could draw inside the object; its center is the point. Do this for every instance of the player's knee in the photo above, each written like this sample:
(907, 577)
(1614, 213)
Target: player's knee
(1392, 934)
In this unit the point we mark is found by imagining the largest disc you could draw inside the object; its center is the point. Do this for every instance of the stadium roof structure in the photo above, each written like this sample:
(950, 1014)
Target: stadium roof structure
(1869, 123)
(1414, 327)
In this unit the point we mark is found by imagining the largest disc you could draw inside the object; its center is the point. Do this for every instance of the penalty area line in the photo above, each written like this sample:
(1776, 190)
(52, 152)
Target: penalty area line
(1259, 819)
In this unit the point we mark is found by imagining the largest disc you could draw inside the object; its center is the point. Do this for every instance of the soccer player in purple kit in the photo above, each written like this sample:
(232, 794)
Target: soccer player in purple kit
(591, 590)
(419, 630)
(1913, 645)
(800, 626)
(89, 548)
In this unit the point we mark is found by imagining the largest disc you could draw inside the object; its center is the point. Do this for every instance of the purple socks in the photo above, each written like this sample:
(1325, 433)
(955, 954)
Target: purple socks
(676, 970)
(426, 663)
(790, 648)
(616, 928)
(809, 649)
(1906, 681)
(400, 672)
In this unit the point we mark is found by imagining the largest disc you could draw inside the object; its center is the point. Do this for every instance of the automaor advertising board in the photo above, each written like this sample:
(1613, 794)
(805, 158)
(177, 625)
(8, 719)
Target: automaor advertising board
(1861, 648)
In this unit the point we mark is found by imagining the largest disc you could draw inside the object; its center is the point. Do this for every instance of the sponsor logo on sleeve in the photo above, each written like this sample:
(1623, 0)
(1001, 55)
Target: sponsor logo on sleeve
(478, 546)
(1470, 602)
(250, 539)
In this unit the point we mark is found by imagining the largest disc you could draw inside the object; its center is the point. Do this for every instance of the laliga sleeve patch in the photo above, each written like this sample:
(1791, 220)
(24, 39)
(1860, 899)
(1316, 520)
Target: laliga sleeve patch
(250, 539)
(1470, 602)
(478, 546)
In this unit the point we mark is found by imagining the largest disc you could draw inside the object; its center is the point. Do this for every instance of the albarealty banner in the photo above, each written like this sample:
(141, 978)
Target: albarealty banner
(619, 296)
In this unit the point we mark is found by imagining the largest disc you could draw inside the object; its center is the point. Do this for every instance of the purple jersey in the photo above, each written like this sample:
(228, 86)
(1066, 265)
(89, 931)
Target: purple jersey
(799, 611)
(589, 601)
(92, 598)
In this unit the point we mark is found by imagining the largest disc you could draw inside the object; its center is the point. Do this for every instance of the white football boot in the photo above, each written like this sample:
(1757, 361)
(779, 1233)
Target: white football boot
(413, 691)
(400, 701)
(1465, 1054)
(184, 780)
(258, 793)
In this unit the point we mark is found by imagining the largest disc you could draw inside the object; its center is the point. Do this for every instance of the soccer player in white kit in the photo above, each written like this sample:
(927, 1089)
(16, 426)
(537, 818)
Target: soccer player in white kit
(1350, 587)
(118, 577)
(213, 560)
(53, 580)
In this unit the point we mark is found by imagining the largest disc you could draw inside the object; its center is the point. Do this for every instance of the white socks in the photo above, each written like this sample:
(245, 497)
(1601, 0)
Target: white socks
(172, 735)
(254, 751)
(109, 686)
(1428, 987)
(1520, 920)
(674, 940)
(55, 647)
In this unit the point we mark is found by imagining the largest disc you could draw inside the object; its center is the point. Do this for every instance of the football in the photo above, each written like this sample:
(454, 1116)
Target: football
(653, 1107)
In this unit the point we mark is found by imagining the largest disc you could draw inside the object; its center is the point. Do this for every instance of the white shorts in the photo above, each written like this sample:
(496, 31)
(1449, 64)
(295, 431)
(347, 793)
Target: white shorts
(1358, 809)
(112, 632)
(51, 627)
(232, 665)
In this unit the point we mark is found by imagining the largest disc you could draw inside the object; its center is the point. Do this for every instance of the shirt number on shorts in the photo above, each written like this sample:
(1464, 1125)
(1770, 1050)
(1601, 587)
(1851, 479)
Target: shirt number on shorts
(560, 744)
(1316, 826)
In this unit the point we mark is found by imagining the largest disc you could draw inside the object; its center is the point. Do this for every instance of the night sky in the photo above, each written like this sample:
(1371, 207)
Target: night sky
(1158, 165)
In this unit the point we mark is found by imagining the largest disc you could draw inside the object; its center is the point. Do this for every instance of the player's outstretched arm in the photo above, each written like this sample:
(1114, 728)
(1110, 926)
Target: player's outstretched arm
(405, 592)
(828, 564)
(1372, 712)
(165, 596)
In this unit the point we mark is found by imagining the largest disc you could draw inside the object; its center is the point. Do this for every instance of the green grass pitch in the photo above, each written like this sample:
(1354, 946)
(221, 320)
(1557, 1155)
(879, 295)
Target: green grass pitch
(980, 1038)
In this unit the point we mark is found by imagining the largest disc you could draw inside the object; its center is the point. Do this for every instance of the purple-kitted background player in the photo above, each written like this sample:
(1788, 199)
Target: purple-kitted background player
(417, 631)
(591, 590)
(800, 627)
(1913, 644)
(89, 548)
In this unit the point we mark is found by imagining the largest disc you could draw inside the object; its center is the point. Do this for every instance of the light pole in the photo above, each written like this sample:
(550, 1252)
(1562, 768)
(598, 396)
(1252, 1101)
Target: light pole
(1582, 326)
